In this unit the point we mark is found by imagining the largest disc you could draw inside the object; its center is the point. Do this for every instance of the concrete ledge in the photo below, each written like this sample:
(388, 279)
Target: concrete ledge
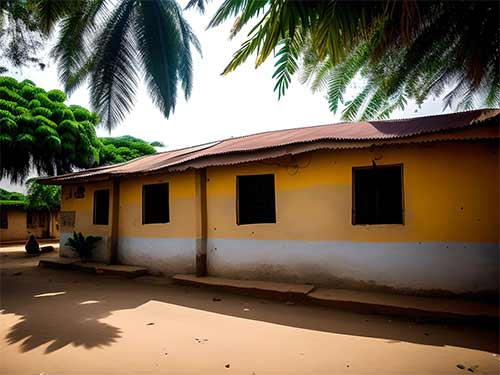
(259, 288)
(429, 309)
(424, 308)
(60, 263)
(94, 267)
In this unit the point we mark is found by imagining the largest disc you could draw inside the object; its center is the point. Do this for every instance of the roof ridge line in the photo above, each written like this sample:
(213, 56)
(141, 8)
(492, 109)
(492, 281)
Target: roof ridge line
(357, 122)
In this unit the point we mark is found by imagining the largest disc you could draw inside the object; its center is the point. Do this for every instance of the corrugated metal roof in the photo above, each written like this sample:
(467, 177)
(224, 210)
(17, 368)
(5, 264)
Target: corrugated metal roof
(275, 143)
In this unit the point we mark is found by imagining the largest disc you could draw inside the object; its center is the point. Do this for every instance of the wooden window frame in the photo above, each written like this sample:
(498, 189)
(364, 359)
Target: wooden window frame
(238, 221)
(4, 213)
(353, 192)
(94, 216)
(144, 203)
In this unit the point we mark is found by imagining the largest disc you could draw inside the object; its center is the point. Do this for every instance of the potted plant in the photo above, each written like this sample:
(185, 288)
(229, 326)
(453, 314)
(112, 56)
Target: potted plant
(83, 245)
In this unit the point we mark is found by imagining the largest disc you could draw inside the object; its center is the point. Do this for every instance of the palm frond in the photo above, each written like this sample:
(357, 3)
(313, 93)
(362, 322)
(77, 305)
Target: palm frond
(199, 4)
(73, 46)
(233, 8)
(114, 77)
(314, 71)
(287, 63)
(343, 74)
(354, 106)
(164, 42)
(492, 98)
(247, 48)
(416, 49)
(49, 12)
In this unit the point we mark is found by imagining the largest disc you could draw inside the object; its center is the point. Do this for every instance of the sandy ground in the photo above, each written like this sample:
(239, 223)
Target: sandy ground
(65, 322)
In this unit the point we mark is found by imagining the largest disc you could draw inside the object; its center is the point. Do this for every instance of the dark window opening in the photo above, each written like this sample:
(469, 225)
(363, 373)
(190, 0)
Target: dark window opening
(42, 219)
(101, 207)
(31, 219)
(4, 221)
(256, 199)
(378, 195)
(155, 206)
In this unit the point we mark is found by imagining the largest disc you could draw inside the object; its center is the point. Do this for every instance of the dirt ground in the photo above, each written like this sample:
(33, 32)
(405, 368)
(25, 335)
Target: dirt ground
(67, 322)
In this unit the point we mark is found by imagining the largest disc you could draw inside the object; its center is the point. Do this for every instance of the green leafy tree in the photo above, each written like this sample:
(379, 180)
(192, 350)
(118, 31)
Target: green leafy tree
(43, 197)
(8, 198)
(111, 45)
(38, 130)
(401, 49)
(121, 149)
(157, 144)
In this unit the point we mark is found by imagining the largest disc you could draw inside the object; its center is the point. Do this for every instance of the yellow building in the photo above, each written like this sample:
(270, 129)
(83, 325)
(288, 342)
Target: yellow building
(17, 223)
(411, 205)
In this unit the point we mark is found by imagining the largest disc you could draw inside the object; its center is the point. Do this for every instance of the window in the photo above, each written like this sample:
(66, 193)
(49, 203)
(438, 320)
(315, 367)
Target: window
(30, 219)
(42, 219)
(378, 195)
(101, 207)
(4, 221)
(255, 199)
(155, 207)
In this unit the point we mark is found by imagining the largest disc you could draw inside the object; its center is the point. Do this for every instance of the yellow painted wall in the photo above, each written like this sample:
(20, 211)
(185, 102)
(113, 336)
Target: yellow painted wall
(183, 208)
(451, 200)
(184, 215)
(84, 208)
(16, 230)
(451, 193)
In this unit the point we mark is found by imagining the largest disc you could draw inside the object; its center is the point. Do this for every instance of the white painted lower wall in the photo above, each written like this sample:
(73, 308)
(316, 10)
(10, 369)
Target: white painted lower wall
(160, 255)
(454, 267)
(100, 254)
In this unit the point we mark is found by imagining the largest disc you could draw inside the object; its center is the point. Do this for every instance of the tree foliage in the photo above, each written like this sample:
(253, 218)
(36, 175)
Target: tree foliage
(43, 197)
(38, 197)
(12, 198)
(401, 49)
(121, 149)
(157, 144)
(37, 130)
(20, 34)
(111, 45)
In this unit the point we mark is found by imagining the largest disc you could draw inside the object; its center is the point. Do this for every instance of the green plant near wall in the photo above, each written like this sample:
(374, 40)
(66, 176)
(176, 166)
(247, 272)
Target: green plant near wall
(83, 245)
(38, 130)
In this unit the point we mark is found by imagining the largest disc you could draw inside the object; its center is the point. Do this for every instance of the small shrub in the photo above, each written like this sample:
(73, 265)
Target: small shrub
(83, 245)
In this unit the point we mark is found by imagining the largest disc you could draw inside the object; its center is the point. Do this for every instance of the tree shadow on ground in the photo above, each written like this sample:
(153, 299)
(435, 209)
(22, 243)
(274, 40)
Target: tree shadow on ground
(67, 308)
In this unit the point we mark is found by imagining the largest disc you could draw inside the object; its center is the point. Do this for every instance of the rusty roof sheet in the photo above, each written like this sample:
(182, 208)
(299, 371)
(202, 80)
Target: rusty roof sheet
(257, 146)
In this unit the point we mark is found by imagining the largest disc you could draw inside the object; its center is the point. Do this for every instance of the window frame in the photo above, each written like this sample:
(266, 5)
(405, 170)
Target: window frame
(353, 193)
(94, 214)
(30, 222)
(144, 203)
(238, 220)
(4, 214)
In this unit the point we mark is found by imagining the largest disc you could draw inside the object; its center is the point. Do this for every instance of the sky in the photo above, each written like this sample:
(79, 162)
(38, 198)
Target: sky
(242, 102)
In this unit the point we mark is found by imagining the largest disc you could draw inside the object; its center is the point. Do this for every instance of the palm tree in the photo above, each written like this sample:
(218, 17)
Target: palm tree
(455, 54)
(109, 45)
(403, 49)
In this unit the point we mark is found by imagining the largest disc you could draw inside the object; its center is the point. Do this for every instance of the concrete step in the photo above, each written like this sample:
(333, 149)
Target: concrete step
(94, 267)
(258, 288)
(422, 308)
(58, 263)
(428, 309)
